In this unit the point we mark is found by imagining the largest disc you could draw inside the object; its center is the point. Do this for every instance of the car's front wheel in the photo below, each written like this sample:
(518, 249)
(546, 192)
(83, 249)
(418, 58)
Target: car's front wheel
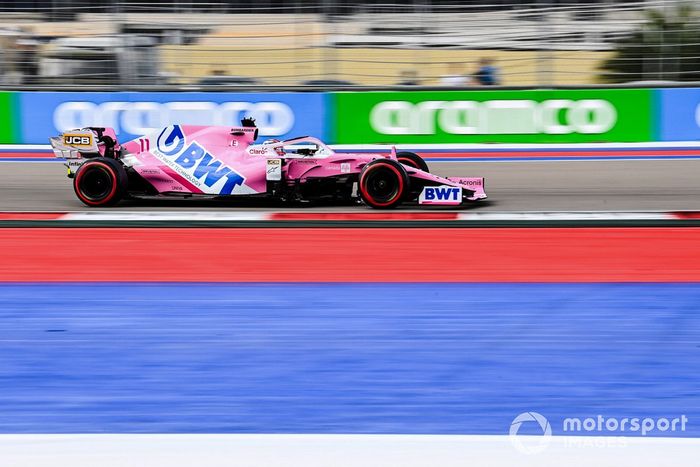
(383, 183)
(100, 182)
(412, 159)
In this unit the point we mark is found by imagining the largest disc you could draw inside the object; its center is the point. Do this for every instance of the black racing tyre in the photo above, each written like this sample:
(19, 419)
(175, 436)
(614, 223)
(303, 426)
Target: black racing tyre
(383, 183)
(412, 160)
(101, 182)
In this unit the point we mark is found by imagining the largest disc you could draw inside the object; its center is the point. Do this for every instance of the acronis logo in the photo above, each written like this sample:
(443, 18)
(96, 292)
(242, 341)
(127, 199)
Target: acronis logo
(443, 194)
(194, 163)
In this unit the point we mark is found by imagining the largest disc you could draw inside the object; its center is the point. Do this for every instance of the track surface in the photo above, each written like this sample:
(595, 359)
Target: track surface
(511, 186)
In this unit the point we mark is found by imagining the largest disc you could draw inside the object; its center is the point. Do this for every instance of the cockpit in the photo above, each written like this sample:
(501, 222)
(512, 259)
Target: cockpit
(305, 146)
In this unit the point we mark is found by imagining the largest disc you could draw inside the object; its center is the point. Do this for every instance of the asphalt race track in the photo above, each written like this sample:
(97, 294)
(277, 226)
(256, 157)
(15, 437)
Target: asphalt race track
(511, 186)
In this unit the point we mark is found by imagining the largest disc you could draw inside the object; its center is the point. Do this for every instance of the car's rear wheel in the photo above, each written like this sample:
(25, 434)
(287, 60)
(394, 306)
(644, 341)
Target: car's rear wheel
(383, 184)
(412, 159)
(100, 182)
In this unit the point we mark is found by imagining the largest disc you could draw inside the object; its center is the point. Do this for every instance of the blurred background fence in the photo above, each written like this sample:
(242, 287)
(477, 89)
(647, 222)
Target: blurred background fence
(332, 43)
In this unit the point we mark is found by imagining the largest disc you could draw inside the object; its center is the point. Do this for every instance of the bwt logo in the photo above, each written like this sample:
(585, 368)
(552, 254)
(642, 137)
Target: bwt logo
(443, 194)
(138, 118)
(552, 117)
(195, 163)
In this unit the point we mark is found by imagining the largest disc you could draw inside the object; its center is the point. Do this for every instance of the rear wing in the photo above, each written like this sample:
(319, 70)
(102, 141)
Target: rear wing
(71, 144)
(90, 141)
(76, 146)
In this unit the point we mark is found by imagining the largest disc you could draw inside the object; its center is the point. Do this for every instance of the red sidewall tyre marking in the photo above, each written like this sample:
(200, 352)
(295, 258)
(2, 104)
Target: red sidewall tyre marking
(399, 192)
(111, 194)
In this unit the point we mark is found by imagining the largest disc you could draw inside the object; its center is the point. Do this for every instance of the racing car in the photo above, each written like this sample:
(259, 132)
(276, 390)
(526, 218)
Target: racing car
(219, 161)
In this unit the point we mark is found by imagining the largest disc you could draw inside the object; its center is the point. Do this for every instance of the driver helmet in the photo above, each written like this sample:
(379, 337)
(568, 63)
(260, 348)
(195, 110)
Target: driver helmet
(279, 149)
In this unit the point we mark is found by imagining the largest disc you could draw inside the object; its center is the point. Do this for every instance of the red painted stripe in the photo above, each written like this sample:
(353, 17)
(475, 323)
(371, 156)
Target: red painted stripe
(363, 216)
(351, 255)
(28, 155)
(686, 214)
(30, 216)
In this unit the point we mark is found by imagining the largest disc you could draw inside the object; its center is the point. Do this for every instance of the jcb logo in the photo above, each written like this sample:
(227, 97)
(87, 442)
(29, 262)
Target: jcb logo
(77, 140)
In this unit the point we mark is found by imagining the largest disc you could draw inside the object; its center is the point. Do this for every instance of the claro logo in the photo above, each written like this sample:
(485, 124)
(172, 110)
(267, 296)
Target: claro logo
(553, 117)
(137, 118)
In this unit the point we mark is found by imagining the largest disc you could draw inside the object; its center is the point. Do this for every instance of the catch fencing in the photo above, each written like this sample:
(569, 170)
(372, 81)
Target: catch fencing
(336, 43)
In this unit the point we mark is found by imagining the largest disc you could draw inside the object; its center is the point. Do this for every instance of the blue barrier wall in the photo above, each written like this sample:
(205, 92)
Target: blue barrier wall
(132, 114)
(677, 114)
(38, 115)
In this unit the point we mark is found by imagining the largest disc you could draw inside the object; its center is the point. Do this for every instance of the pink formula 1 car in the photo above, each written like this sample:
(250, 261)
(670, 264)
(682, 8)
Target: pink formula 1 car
(215, 161)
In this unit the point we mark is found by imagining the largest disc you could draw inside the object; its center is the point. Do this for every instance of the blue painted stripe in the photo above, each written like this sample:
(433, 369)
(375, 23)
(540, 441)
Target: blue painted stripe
(30, 159)
(344, 358)
(28, 151)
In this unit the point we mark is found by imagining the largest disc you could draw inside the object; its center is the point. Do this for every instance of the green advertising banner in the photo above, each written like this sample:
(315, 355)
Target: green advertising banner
(8, 117)
(529, 116)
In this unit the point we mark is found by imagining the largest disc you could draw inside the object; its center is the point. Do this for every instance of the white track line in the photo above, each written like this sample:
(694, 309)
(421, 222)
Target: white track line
(226, 216)
(169, 216)
(253, 450)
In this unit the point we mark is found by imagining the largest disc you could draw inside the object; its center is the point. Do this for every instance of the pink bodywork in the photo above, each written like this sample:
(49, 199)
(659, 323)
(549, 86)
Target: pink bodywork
(192, 159)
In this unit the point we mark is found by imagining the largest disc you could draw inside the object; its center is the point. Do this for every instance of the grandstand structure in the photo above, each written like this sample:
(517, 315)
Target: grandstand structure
(292, 43)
